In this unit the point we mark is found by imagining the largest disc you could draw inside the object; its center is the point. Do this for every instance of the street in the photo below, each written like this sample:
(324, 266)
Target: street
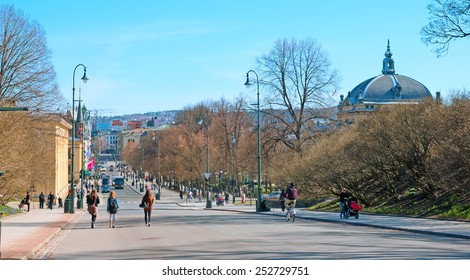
(190, 232)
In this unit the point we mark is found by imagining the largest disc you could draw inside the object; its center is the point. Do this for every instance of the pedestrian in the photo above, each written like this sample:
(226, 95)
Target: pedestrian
(282, 200)
(93, 200)
(291, 195)
(27, 199)
(147, 200)
(50, 200)
(227, 197)
(181, 194)
(343, 199)
(112, 208)
(42, 199)
(243, 197)
(60, 202)
(190, 196)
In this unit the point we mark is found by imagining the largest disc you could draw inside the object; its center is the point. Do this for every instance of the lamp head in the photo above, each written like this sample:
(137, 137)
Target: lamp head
(84, 78)
(247, 84)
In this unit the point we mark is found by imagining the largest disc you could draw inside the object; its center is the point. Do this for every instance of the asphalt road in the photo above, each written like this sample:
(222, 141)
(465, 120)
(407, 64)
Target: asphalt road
(192, 233)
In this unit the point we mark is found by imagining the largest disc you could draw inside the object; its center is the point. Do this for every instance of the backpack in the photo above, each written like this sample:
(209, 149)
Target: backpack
(112, 207)
(292, 193)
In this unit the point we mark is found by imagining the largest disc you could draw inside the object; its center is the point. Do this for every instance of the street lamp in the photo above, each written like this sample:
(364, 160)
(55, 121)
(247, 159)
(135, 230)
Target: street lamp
(84, 79)
(142, 172)
(234, 141)
(207, 174)
(158, 166)
(247, 84)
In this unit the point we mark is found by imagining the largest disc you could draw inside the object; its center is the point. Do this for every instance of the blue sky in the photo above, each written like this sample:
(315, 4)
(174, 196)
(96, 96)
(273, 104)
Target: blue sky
(144, 56)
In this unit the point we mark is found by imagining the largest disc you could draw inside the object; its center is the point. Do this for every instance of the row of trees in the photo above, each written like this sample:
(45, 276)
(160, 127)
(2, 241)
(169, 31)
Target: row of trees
(296, 85)
(398, 151)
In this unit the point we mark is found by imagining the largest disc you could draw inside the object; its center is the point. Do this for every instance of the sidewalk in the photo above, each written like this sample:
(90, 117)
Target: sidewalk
(21, 235)
(440, 227)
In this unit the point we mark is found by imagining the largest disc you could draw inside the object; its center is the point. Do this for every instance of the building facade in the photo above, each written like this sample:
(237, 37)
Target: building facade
(56, 179)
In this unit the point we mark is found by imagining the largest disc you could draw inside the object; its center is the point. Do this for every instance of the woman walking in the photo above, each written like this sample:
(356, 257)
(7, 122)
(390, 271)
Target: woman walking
(147, 200)
(92, 200)
(112, 208)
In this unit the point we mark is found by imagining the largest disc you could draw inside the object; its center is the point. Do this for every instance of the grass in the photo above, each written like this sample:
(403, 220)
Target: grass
(410, 204)
(6, 210)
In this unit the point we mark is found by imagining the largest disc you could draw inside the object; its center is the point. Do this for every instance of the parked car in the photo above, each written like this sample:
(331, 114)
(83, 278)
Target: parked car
(273, 195)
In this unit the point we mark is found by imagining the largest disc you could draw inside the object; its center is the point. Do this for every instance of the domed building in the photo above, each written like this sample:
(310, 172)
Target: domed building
(388, 88)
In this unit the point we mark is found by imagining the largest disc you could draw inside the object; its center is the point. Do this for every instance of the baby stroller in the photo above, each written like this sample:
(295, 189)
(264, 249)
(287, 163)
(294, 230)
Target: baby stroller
(352, 208)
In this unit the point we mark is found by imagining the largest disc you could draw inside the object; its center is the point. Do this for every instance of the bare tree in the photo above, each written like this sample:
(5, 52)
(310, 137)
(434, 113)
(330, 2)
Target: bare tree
(449, 20)
(27, 76)
(297, 80)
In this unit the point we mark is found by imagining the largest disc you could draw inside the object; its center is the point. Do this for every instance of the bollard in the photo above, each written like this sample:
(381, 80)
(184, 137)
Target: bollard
(157, 195)
(80, 203)
(67, 205)
(208, 201)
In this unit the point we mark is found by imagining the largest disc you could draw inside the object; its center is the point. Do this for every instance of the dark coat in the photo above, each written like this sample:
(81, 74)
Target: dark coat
(90, 200)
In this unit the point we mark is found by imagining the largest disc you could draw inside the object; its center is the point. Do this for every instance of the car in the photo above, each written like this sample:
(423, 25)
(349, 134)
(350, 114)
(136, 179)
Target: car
(105, 181)
(273, 195)
(105, 189)
(118, 182)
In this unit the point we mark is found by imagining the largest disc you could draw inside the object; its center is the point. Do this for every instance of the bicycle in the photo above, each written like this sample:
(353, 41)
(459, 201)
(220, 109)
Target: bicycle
(290, 215)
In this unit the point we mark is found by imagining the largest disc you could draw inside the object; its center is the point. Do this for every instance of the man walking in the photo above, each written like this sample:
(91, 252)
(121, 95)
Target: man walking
(41, 200)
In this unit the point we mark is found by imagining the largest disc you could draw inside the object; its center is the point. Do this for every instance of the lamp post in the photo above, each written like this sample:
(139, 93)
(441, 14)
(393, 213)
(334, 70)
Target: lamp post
(234, 141)
(258, 201)
(207, 174)
(84, 79)
(158, 167)
(142, 173)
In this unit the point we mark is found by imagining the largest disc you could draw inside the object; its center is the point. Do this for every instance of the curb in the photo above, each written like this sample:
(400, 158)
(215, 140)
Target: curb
(39, 248)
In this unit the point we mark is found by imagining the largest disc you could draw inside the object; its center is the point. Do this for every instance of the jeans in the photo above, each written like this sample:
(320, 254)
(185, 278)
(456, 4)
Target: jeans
(342, 209)
(147, 216)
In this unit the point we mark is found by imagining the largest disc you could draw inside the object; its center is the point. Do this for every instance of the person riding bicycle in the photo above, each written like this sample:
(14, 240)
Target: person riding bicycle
(291, 195)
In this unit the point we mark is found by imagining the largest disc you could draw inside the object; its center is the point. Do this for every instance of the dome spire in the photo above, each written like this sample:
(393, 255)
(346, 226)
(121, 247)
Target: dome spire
(388, 63)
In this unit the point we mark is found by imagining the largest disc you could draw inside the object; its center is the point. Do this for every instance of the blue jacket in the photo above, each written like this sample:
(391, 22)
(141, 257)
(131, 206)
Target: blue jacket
(110, 200)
